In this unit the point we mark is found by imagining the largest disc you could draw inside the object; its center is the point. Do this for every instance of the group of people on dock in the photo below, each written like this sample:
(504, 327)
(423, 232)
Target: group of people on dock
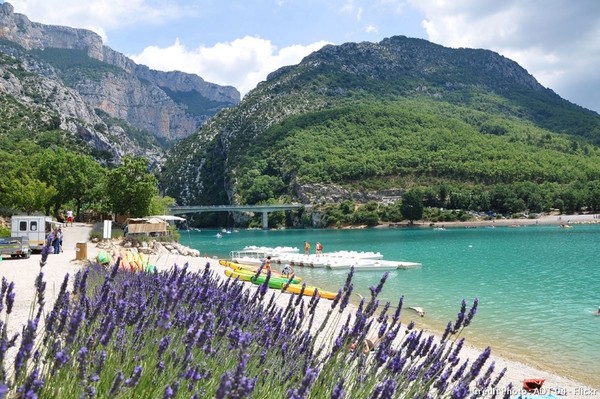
(318, 247)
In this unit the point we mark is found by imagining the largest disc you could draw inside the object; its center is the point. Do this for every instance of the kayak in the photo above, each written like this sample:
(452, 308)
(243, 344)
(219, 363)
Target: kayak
(253, 269)
(277, 283)
(274, 282)
(243, 276)
(309, 290)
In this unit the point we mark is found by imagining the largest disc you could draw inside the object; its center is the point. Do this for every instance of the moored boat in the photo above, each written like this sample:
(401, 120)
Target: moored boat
(338, 260)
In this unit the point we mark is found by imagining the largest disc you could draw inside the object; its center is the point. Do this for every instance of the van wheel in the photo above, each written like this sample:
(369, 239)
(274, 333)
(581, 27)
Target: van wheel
(27, 255)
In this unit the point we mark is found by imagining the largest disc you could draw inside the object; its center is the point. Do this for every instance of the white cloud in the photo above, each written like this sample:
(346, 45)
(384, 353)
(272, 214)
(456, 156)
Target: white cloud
(100, 15)
(556, 41)
(241, 63)
(372, 29)
(350, 8)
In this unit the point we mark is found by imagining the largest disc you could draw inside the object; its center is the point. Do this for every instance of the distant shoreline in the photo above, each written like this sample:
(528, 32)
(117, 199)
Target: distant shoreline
(548, 220)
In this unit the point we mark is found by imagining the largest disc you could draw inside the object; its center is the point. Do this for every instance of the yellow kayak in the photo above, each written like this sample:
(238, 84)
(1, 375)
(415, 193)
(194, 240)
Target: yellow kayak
(253, 269)
(243, 276)
(309, 290)
(246, 273)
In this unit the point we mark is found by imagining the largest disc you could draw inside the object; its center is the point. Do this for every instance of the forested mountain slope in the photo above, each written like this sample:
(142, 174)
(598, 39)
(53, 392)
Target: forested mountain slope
(355, 120)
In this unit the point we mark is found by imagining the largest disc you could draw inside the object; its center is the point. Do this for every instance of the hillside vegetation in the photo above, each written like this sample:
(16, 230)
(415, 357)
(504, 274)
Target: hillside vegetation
(463, 128)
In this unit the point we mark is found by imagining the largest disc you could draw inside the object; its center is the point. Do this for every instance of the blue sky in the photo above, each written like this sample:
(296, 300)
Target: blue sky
(238, 43)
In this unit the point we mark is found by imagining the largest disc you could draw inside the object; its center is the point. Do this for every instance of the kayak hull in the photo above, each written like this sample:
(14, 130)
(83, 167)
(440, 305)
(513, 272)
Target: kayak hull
(254, 269)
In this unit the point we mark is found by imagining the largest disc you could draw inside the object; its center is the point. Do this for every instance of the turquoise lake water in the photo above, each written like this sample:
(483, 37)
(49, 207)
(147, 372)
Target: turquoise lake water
(538, 286)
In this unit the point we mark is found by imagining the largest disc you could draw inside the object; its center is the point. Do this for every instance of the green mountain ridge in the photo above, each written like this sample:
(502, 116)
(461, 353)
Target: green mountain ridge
(355, 120)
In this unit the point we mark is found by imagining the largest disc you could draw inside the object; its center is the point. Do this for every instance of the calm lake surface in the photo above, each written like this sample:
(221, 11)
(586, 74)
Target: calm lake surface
(538, 286)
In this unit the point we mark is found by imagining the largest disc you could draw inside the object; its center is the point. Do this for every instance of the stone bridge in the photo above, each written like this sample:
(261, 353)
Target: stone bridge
(265, 209)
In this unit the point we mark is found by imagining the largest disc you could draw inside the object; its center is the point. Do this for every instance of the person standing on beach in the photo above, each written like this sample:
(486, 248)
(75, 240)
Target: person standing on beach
(306, 247)
(60, 239)
(56, 238)
(266, 264)
(70, 217)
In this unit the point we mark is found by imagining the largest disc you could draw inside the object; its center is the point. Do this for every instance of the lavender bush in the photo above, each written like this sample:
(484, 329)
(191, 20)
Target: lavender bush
(179, 334)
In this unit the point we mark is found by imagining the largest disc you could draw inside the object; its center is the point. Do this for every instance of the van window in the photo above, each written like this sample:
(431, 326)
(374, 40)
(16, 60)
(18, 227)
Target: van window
(33, 226)
(23, 225)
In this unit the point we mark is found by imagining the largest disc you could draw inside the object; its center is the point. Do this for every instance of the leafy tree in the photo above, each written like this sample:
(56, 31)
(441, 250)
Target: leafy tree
(263, 188)
(160, 204)
(28, 194)
(412, 205)
(87, 177)
(75, 177)
(593, 196)
(367, 214)
(130, 188)
(392, 213)
(347, 207)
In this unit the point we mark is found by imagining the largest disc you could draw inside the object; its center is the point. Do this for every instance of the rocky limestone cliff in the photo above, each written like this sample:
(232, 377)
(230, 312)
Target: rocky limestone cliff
(49, 99)
(144, 98)
(32, 35)
(181, 81)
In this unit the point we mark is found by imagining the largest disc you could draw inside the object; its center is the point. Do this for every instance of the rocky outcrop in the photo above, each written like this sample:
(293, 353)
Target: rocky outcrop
(184, 82)
(146, 107)
(32, 35)
(154, 101)
(60, 106)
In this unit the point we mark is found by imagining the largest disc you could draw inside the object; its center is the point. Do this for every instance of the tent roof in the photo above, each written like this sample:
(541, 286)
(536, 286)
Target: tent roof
(168, 217)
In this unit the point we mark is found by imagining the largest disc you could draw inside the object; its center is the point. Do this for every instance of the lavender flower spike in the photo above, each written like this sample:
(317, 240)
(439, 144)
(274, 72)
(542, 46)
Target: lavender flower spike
(10, 297)
(471, 313)
(304, 390)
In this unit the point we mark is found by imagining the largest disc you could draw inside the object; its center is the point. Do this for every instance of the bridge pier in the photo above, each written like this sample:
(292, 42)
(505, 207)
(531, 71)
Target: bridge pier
(265, 220)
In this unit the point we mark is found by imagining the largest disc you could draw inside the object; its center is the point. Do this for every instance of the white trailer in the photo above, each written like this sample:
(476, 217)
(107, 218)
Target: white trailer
(36, 228)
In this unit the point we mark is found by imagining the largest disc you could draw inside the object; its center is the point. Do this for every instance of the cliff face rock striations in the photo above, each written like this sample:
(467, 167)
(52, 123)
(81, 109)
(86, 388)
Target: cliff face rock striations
(167, 105)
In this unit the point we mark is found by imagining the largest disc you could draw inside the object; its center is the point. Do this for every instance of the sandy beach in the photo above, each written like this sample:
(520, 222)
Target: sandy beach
(24, 271)
(547, 220)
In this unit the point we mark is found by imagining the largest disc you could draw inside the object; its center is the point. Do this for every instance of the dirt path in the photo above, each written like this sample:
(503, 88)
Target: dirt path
(23, 273)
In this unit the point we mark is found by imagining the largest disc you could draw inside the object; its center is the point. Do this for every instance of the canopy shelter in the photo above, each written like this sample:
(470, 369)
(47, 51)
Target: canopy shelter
(150, 226)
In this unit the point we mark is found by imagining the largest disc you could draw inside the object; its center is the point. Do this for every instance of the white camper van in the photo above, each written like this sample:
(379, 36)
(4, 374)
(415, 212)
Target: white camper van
(36, 228)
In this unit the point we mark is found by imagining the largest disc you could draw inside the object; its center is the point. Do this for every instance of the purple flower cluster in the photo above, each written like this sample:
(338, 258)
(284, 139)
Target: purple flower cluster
(182, 334)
